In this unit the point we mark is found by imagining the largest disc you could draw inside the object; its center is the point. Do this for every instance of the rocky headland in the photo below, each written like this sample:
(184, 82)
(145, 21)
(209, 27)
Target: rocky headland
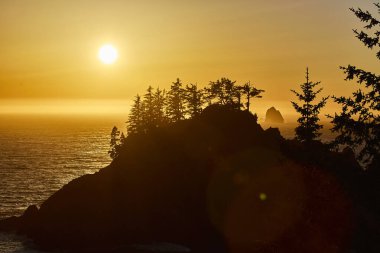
(214, 183)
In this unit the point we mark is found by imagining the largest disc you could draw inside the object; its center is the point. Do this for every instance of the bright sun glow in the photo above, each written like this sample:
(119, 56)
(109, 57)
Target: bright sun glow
(108, 54)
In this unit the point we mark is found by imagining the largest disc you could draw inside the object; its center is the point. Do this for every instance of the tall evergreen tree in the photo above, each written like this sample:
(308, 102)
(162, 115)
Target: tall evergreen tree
(122, 139)
(114, 143)
(194, 100)
(308, 128)
(159, 107)
(148, 109)
(250, 92)
(358, 124)
(135, 117)
(239, 94)
(175, 102)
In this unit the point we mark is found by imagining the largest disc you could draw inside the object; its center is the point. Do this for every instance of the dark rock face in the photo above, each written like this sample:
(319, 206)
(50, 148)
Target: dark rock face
(273, 116)
(21, 224)
(216, 183)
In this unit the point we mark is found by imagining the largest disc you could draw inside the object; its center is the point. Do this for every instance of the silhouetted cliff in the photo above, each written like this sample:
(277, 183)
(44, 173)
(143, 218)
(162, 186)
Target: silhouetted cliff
(215, 183)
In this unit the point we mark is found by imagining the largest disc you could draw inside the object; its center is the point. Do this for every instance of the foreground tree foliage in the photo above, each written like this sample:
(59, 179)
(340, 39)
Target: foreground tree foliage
(308, 128)
(358, 124)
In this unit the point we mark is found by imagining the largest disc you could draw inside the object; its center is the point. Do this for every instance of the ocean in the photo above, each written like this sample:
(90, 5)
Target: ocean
(39, 154)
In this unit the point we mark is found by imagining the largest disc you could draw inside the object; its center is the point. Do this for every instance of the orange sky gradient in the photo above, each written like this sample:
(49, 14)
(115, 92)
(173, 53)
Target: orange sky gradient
(49, 50)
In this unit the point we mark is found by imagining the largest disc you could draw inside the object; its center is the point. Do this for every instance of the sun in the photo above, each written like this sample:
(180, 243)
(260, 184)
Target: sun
(108, 54)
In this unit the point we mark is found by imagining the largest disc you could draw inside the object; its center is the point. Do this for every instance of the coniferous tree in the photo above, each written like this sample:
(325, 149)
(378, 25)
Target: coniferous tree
(250, 92)
(308, 128)
(159, 107)
(175, 102)
(214, 93)
(358, 124)
(230, 91)
(122, 139)
(239, 94)
(148, 109)
(194, 100)
(222, 91)
(208, 95)
(114, 143)
(135, 117)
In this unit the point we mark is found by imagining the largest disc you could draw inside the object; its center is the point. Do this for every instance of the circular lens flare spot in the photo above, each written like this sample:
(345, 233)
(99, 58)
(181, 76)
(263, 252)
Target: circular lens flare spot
(263, 196)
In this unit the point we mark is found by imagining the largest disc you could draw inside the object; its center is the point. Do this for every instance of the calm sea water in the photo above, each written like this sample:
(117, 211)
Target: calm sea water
(40, 154)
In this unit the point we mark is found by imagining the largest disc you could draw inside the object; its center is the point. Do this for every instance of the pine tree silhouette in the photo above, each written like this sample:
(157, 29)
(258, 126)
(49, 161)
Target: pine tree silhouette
(148, 109)
(194, 99)
(114, 143)
(308, 128)
(358, 124)
(159, 104)
(175, 102)
(250, 92)
(135, 117)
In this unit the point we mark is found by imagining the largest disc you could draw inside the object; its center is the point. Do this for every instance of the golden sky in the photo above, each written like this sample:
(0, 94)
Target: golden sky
(49, 48)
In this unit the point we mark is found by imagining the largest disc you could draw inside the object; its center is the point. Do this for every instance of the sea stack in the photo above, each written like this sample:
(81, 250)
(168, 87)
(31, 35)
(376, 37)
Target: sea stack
(273, 116)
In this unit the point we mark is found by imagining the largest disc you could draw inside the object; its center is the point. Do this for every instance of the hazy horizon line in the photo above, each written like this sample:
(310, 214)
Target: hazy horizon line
(120, 107)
